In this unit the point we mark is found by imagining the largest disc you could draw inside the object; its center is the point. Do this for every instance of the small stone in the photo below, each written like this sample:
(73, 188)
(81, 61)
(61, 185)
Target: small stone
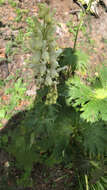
(4, 72)
(30, 92)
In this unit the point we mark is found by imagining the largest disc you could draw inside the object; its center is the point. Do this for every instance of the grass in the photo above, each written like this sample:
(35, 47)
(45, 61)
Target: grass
(12, 3)
(14, 97)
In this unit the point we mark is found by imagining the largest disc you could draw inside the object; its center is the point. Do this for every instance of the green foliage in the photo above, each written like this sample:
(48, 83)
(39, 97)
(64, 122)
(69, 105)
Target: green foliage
(15, 94)
(13, 3)
(68, 58)
(2, 2)
(74, 61)
(95, 138)
(91, 100)
(99, 185)
(20, 37)
(82, 61)
(9, 46)
(20, 13)
(73, 27)
(18, 92)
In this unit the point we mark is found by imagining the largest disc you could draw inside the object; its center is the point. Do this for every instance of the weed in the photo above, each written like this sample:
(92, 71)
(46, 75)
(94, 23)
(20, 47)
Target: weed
(2, 2)
(13, 3)
(20, 37)
(15, 94)
(2, 83)
(20, 13)
(104, 40)
(30, 27)
(54, 185)
(9, 50)
(72, 28)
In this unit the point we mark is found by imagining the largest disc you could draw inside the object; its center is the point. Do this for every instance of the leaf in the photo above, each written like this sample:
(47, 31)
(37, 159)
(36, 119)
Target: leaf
(68, 57)
(2, 53)
(18, 84)
(2, 114)
(92, 101)
(20, 141)
(103, 76)
(95, 138)
(82, 60)
(32, 138)
(5, 139)
(77, 91)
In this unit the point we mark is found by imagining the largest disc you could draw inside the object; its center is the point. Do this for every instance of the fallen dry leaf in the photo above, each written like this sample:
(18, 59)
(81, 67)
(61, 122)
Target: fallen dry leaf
(5, 97)
(22, 104)
(2, 53)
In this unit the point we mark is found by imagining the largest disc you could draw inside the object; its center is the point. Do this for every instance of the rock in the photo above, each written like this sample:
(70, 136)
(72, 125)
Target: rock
(4, 72)
(105, 2)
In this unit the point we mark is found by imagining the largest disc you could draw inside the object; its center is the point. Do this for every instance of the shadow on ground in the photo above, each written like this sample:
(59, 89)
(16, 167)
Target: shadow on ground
(17, 138)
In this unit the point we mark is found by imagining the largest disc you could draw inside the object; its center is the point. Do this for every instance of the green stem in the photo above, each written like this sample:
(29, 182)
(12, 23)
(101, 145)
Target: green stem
(78, 28)
(89, 6)
(86, 181)
(80, 23)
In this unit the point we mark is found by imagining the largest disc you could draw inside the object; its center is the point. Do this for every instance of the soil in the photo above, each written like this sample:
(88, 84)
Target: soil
(54, 178)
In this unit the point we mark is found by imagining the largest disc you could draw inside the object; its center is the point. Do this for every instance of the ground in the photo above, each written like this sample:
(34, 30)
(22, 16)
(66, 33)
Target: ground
(13, 65)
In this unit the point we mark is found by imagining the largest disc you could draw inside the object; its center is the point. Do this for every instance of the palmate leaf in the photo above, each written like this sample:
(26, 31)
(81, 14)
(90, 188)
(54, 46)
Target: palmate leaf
(95, 110)
(95, 138)
(77, 91)
(91, 101)
(69, 58)
(103, 76)
(82, 60)
(78, 60)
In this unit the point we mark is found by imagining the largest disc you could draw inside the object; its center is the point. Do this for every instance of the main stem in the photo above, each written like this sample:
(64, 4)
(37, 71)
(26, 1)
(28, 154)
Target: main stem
(78, 28)
(80, 23)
